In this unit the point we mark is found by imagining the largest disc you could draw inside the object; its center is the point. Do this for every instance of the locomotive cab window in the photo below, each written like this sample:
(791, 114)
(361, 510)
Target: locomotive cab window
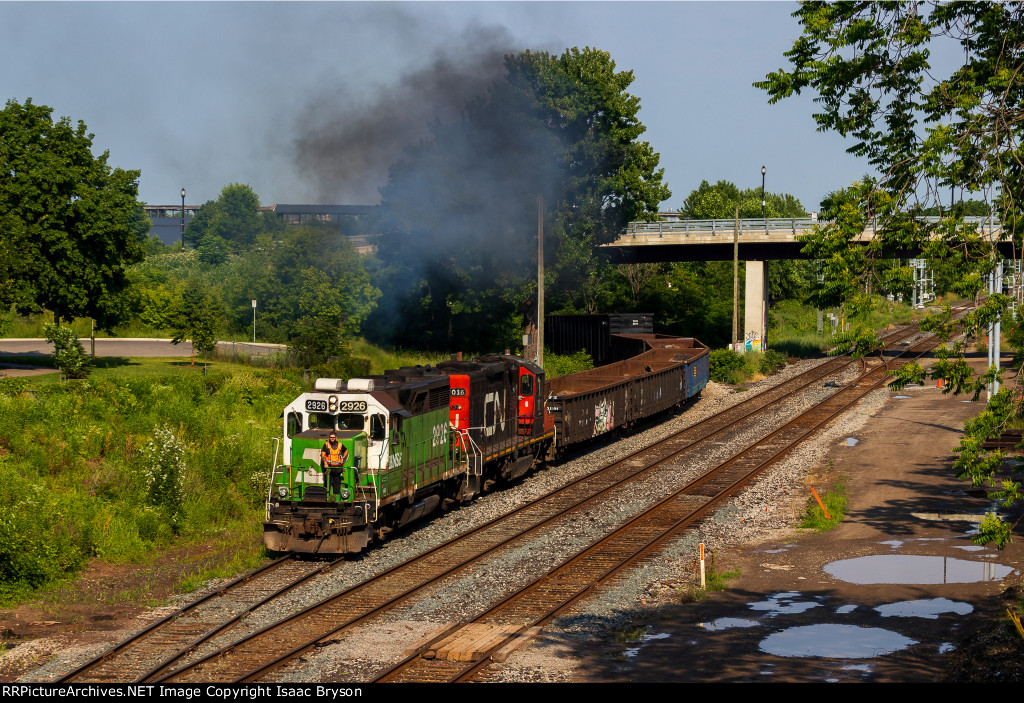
(377, 427)
(294, 423)
(526, 385)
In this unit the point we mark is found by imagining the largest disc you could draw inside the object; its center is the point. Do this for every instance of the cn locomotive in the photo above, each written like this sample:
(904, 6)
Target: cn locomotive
(427, 438)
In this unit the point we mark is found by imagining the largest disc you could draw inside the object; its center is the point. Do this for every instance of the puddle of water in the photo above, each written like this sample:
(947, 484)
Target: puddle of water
(946, 648)
(644, 639)
(929, 608)
(834, 641)
(728, 623)
(894, 544)
(866, 668)
(784, 603)
(850, 442)
(909, 568)
(901, 397)
(970, 547)
(844, 609)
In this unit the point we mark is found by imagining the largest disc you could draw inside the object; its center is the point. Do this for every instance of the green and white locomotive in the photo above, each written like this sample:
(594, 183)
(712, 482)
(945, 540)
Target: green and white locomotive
(414, 446)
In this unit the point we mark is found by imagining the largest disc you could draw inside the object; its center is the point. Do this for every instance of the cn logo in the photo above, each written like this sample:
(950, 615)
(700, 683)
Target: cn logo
(494, 415)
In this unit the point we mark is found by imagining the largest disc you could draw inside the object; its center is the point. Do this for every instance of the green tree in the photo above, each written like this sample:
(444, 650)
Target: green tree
(279, 274)
(233, 219)
(68, 353)
(69, 223)
(196, 317)
(719, 201)
(924, 130)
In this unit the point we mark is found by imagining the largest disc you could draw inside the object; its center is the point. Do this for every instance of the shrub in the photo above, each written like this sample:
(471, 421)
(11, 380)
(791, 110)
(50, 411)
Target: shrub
(724, 365)
(556, 365)
(164, 469)
(771, 362)
(68, 353)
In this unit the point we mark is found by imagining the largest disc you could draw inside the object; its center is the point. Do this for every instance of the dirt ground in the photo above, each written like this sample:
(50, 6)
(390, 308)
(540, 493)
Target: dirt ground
(901, 494)
(785, 618)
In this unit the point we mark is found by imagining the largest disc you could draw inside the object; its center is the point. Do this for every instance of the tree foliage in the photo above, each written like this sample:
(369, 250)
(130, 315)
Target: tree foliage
(195, 317)
(231, 222)
(719, 201)
(69, 223)
(925, 130)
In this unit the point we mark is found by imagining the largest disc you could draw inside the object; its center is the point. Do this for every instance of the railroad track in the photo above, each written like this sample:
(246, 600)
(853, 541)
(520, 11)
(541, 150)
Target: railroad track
(641, 538)
(149, 653)
(260, 653)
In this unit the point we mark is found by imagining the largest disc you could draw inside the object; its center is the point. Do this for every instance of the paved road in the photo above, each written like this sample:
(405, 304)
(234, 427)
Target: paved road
(12, 349)
(114, 346)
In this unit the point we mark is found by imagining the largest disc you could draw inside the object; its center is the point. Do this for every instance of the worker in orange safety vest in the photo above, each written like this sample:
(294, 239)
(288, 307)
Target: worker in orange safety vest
(333, 456)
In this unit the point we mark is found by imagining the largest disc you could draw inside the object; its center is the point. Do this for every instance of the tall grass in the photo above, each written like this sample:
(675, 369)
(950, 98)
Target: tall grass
(73, 458)
(793, 326)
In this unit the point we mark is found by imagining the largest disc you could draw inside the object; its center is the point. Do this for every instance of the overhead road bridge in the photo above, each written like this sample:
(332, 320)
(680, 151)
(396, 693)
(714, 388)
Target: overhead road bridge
(758, 241)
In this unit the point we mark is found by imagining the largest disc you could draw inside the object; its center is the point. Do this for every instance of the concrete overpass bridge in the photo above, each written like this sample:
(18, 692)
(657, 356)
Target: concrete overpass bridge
(758, 241)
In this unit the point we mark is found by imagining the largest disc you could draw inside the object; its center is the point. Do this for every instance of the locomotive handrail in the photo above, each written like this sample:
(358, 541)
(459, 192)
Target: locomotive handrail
(273, 471)
(376, 484)
(475, 451)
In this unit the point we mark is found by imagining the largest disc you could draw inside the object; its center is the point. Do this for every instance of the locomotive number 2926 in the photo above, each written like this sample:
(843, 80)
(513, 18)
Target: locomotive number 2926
(345, 406)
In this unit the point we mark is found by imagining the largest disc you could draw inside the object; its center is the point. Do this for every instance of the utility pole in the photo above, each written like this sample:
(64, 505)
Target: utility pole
(736, 279)
(540, 281)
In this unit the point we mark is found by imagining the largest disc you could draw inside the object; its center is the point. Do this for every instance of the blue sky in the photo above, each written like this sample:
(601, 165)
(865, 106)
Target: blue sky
(199, 94)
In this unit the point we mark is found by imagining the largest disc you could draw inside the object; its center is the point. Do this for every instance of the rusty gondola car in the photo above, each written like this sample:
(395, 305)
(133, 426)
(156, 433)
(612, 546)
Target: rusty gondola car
(590, 403)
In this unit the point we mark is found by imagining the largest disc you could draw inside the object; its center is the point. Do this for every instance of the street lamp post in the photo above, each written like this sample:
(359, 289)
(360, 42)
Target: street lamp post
(183, 218)
(763, 169)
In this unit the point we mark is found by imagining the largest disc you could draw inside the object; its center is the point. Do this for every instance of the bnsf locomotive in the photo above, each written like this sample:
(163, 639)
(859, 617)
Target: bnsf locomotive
(424, 438)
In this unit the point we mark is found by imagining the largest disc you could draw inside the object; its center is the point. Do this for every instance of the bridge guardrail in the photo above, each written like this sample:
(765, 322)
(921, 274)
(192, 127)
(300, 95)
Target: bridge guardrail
(794, 225)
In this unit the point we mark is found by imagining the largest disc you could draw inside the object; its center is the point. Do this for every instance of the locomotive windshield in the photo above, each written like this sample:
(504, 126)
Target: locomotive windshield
(342, 421)
(320, 421)
(351, 421)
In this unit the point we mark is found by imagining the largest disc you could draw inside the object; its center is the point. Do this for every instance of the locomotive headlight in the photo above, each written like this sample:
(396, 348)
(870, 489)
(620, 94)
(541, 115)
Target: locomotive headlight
(332, 403)
(283, 492)
(344, 494)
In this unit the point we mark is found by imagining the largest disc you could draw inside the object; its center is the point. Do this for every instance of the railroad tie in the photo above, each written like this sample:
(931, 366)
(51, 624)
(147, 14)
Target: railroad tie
(471, 642)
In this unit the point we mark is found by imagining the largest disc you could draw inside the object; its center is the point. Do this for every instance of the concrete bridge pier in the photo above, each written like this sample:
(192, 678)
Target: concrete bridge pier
(755, 306)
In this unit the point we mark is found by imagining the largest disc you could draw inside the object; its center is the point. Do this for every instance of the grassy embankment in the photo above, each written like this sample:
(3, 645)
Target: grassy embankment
(145, 456)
